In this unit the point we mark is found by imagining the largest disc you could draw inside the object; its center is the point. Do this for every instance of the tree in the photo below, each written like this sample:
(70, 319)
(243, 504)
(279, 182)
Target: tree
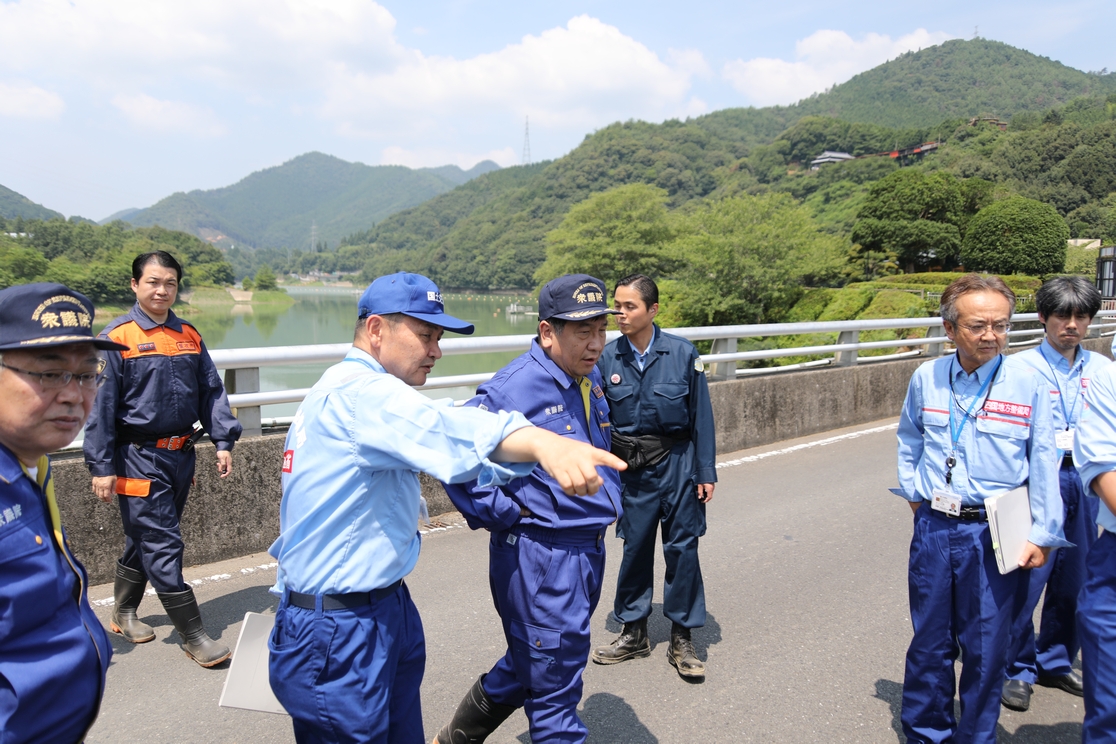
(265, 279)
(1016, 236)
(622, 231)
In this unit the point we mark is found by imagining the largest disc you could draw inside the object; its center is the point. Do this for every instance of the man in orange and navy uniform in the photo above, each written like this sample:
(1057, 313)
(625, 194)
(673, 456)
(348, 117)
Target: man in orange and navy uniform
(139, 448)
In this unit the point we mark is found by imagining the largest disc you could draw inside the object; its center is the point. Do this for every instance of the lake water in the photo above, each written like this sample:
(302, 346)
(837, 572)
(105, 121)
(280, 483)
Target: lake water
(328, 316)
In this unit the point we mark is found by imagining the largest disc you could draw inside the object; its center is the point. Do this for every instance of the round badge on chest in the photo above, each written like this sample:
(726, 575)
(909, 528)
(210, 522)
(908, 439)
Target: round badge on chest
(615, 379)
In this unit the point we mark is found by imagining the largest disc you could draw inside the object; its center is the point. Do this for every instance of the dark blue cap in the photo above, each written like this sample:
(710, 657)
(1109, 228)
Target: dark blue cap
(574, 297)
(37, 316)
(410, 294)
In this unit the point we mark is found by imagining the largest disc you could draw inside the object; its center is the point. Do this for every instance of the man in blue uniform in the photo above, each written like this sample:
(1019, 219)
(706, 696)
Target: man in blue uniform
(348, 650)
(662, 426)
(1066, 306)
(547, 550)
(1094, 451)
(139, 448)
(974, 425)
(54, 654)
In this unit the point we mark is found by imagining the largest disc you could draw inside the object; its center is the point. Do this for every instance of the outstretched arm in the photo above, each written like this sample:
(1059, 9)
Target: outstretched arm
(570, 462)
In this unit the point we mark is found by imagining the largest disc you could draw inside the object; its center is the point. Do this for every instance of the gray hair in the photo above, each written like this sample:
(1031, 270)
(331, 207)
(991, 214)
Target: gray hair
(972, 283)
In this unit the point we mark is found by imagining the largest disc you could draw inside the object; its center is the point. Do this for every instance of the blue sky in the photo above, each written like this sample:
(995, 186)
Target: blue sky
(110, 104)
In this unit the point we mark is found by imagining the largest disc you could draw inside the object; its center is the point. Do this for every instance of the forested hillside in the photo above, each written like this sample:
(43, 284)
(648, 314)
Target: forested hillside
(283, 207)
(14, 205)
(490, 233)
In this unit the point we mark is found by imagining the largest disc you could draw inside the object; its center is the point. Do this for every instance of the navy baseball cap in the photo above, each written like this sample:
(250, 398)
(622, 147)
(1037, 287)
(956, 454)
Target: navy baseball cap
(410, 294)
(37, 316)
(574, 297)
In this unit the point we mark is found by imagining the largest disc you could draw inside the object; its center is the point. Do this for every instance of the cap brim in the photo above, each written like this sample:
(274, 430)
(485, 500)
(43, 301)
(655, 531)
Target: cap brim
(584, 314)
(50, 341)
(442, 320)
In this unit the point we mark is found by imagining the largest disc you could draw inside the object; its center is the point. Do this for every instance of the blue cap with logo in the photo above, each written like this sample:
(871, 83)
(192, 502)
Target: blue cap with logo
(574, 297)
(410, 294)
(37, 316)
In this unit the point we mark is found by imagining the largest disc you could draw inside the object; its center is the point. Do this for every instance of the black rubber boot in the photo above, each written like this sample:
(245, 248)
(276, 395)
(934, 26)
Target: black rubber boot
(632, 643)
(127, 594)
(182, 608)
(681, 653)
(477, 716)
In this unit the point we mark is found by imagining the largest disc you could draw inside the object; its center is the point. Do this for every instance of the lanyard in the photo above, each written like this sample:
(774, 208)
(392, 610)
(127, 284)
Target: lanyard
(955, 431)
(1061, 395)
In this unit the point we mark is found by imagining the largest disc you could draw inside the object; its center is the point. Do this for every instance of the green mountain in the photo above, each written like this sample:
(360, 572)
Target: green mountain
(490, 232)
(313, 195)
(17, 205)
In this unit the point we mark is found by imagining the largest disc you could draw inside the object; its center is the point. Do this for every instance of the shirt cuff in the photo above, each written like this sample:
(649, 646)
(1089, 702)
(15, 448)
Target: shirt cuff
(899, 492)
(707, 475)
(101, 469)
(1044, 539)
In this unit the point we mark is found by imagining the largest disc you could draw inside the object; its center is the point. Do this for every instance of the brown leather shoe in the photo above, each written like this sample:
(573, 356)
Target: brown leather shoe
(632, 643)
(681, 654)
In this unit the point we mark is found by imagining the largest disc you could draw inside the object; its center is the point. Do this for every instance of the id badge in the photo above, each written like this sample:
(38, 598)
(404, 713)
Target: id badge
(946, 502)
(1063, 440)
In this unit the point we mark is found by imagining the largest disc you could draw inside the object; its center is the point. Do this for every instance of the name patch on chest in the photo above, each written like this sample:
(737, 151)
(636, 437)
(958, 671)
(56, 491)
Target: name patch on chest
(288, 461)
(1007, 408)
(146, 347)
(11, 514)
(187, 346)
(555, 409)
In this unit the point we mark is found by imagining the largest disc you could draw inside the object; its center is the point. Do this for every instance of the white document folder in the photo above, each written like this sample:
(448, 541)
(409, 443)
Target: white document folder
(247, 685)
(1009, 518)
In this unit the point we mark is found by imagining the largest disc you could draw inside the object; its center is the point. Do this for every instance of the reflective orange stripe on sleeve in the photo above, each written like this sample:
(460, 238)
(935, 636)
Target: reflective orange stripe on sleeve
(133, 487)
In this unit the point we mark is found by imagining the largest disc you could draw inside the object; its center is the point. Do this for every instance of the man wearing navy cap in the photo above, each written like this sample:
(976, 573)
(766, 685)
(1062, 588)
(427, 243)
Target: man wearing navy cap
(547, 550)
(347, 653)
(54, 654)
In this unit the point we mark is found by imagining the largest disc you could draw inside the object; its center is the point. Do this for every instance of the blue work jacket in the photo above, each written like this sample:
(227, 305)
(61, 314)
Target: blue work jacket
(1005, 438)
(1067, 382)
(668, 397)
(1094, 446)
(54, 654)
(159, 387)
(551, 399)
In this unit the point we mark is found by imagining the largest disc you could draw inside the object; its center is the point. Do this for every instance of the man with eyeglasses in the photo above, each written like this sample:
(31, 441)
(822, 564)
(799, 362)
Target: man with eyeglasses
(54, 654)
(139, 448)
(974, 425)
(1066, 306)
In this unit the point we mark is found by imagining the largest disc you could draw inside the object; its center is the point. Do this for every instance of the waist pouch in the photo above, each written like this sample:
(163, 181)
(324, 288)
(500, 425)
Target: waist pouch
(644, 451)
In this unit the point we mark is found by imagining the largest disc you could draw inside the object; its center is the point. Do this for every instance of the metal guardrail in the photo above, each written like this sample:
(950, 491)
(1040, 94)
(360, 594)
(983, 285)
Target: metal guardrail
(242, 366)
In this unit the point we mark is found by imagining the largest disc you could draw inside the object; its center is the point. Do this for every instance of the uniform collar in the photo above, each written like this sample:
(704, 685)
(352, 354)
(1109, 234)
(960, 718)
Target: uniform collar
(360, 356)
(625, 346)
(10, 467)
(980, 374)
(1055, 359)
(146, 323)
(560, 376)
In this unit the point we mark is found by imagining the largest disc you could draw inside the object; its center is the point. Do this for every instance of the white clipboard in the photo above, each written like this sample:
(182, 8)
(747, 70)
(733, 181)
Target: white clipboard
(247, 685)
(1009, 518)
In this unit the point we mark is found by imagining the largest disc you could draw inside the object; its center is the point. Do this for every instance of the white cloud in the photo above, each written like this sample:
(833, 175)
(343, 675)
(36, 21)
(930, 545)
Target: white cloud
(168, 117)
(434, 157)
(25, 101)
(583, 75)
(822, 59)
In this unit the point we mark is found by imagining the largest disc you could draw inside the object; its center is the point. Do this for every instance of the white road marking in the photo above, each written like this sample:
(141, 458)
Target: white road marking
(807, 445)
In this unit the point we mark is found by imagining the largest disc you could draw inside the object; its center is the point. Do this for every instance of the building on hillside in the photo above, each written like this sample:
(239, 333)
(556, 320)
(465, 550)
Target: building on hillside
(1106, 276)
(830, 156)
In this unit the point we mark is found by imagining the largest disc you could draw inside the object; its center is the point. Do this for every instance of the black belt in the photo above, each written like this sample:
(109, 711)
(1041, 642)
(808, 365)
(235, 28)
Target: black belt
(348, 601)
(970, 514)
(1067, 460)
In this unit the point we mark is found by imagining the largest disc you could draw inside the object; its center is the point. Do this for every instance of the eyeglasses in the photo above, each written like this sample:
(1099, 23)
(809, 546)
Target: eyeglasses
(979, 330)
(60, 378)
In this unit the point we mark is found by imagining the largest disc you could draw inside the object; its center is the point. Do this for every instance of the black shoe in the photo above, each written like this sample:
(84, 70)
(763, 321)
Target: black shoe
(1071, 683)
(1016, 695)
(182, 608)
(632, 643)
(681, 654)
(476, 717)
(127, 594)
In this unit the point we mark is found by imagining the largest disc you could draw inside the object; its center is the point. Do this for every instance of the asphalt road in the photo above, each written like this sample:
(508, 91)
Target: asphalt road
(805, 573)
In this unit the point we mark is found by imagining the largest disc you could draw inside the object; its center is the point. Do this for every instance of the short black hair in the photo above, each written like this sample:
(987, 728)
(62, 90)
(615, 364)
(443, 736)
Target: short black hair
(644, 285)
(1064, 296)
(164, 259)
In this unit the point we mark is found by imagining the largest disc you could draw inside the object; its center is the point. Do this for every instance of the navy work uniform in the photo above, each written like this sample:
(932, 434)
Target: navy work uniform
(547, 551)
(968, 437)
(145, 412)
(1053, 654)
(54, 654)
(668, 396)
(1094, 451)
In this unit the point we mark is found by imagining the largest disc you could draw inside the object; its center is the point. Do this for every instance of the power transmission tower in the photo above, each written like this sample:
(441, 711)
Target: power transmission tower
(526, 140)
(314, 236)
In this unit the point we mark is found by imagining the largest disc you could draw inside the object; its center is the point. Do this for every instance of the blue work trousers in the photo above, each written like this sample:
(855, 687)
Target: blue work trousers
(1096, 618)
(1052, 655)
(661, 498)
(545, 584)
(152, 538)
(350, 675)
(959, 602)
